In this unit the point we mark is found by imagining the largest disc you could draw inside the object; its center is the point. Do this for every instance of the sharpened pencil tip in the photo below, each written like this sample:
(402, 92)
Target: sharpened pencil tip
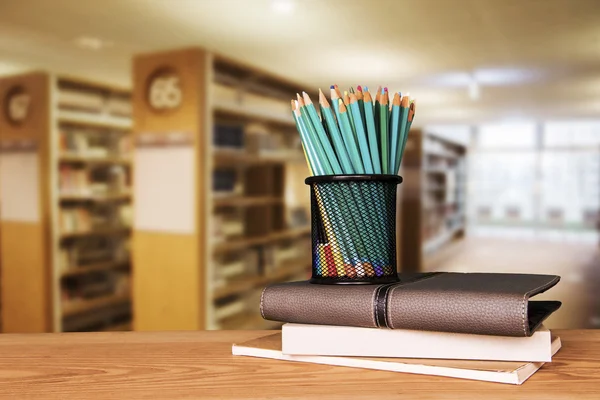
(306, 98)
(359, 88)
(385, 90)
(332, 87)
(366, 89)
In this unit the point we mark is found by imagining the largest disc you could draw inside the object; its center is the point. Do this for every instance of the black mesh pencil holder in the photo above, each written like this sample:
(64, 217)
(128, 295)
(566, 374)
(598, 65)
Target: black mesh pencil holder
(353, 228)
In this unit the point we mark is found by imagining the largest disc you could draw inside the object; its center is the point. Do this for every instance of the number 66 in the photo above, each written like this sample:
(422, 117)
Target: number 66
(165, 92)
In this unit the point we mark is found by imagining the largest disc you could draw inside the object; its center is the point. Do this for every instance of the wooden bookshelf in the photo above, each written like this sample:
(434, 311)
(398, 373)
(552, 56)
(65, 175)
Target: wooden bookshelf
(119, 327)
(245, 242)
(94, 160)
(113, 232)
(240, 112)
(241, 201)
(75, 136)
(242, 140)
(88, 269)
(94, 121)
(96, 198)
(248, 282)
(433, 209)
(88, 306)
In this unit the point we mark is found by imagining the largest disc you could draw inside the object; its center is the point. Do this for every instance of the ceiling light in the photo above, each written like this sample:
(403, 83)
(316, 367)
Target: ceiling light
(486, 77)
(474, 90)
(283, 6)
(92, 43)
(506, 76)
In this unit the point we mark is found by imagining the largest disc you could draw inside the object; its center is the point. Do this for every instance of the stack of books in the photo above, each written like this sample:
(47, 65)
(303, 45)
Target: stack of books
(426, 324)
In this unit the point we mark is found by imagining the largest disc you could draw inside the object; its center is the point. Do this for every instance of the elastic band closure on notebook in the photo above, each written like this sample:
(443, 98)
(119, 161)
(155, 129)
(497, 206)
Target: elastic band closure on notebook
(381, 297)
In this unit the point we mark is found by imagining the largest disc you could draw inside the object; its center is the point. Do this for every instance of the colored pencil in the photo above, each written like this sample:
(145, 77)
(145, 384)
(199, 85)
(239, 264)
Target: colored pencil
(346, 99)
(369, 148)
(338, 91)
(394, 132)
(324, 150)
(362, 144)
(353, 134)
(404, 106)
(315, 162)
(376, 107)
(361, 105)
(383, 129)
(411, 115)
(349, 139)
(349, 160)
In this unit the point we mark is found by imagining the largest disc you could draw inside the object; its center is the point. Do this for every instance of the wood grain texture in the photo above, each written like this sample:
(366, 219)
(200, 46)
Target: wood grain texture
(166, 283)
(25, 287)
(25, 247)
(193, 365)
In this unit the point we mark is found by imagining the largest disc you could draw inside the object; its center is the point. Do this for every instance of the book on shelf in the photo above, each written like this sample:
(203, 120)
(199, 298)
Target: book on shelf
(475, 303)
(73, 181)
(76, 181)
(84, 219)
(75, 220)
(93, 101)
(326, 340)
(80, 100)
(228, 136)
(270, 346)
(93, 143)
(224, 181)
(119, 106)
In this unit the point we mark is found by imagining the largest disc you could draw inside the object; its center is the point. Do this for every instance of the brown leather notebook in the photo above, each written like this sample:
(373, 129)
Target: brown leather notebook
(477, 303)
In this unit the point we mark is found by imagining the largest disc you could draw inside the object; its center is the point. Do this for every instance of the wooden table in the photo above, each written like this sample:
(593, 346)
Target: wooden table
(199, 365)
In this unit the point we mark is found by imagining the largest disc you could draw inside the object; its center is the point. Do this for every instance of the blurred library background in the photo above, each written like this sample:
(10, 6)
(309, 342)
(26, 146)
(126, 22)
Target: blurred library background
(151, 175)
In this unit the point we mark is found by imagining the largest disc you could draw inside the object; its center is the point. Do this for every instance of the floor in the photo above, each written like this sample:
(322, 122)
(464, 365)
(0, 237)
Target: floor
(577, 264)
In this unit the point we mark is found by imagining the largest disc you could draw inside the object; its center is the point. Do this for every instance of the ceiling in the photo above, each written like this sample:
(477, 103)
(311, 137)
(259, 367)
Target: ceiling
(519, 58)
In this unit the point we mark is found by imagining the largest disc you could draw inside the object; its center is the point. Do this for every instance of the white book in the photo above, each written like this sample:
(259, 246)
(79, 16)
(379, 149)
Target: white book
(324, 340)
(492, 371)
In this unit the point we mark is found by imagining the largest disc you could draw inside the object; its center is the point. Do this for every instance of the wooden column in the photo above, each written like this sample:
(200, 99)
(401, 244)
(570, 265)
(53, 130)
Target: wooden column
(25, 245)
(169, 106)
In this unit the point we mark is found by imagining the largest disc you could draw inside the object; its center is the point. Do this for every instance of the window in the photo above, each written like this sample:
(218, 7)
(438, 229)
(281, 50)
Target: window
(508, 135)
(543, 179)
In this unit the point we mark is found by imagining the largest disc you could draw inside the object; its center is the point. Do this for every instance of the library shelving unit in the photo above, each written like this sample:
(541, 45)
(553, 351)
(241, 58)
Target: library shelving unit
(221, 205)
(66, 204)
(433, 209)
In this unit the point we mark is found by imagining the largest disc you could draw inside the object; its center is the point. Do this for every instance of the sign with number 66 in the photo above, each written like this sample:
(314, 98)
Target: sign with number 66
(165, 92)
(17, 105)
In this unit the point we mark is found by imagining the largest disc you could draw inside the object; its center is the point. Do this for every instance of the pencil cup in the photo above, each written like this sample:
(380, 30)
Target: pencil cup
(353, 228)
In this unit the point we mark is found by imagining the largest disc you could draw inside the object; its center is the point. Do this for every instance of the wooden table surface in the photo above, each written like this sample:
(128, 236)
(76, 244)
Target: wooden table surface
(199, 365)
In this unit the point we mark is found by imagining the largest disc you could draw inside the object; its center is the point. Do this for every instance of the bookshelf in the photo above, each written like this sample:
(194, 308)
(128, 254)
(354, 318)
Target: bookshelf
(247, 211)
(67, 218)
(433, 208)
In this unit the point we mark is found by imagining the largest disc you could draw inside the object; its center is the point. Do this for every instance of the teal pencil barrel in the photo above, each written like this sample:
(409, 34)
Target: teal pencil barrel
(403, 136)
(394, 131)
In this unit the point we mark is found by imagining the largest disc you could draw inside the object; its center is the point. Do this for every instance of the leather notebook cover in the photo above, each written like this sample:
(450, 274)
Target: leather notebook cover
(477, 303)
